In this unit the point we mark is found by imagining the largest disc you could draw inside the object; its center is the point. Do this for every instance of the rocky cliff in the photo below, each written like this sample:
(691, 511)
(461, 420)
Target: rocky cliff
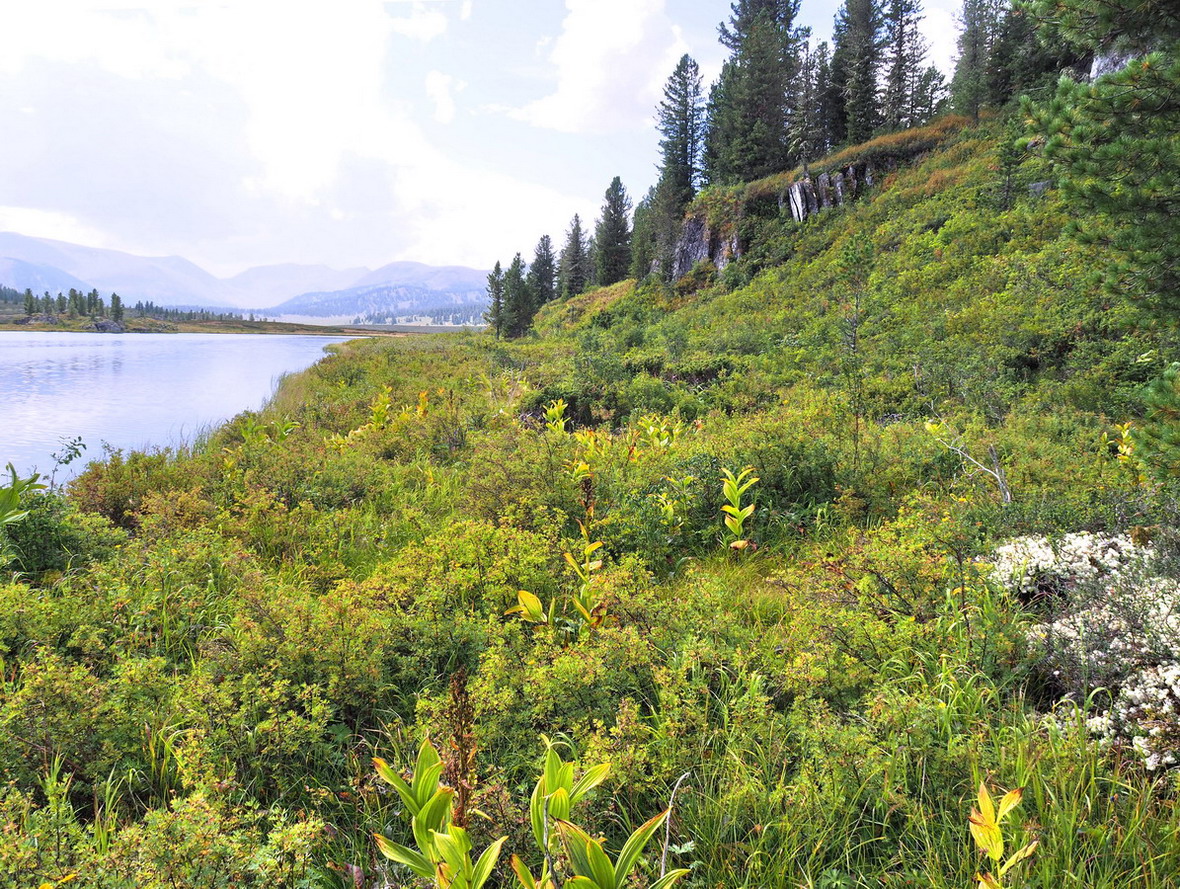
(803, 197)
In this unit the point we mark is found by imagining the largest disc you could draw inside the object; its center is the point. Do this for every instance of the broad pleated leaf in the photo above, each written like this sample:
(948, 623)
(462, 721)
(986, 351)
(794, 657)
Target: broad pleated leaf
(591, 779)
(487, 861)
(634, 846)
(393, 779)
(987, 836)
(1019, 856)
(523, 875)
(537, 812)
(559, 805)
(426, 772)
(1010, 801)
(581, 882)
(455, 848)
(575, 841)
(415, 861)
(986, 809)
(434, 816)
(602, 871)
(551, 773)
(670, 878)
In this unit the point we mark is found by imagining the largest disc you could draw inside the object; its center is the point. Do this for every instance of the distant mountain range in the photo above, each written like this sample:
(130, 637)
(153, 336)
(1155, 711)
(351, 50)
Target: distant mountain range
(401, 292)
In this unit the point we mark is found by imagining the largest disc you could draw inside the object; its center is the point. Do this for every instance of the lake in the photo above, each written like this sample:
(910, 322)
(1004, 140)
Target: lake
(132, 390)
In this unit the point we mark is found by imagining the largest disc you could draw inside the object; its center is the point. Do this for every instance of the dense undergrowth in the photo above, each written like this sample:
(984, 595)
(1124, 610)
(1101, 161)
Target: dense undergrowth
(202, 650)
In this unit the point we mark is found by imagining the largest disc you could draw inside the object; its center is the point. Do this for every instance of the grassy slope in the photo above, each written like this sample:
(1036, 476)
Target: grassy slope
(294, 598)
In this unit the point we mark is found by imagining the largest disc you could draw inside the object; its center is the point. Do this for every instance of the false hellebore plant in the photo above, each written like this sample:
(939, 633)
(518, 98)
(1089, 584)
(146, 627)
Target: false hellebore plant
(989, 836)
(444, 851)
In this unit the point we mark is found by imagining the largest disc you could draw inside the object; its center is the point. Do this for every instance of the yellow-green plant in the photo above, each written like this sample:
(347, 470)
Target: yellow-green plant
(989, 836)
(555, 415)
(585, 598)
(554, 796)
(380, 409)
(532, 610)
(10, 504)
(660, 432)
(592, 865)
(733, 488)
(444, 850)
(556, 792)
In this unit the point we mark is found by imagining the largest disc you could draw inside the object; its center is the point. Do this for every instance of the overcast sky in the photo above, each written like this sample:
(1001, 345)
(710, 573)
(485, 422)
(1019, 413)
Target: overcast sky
(350, 132)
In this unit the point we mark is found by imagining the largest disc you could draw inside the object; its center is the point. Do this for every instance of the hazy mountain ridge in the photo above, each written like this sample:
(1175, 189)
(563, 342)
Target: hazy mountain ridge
(401, 289)
(388, 304)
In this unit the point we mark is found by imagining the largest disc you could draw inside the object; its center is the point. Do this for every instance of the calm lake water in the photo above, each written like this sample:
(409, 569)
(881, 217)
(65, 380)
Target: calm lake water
(132, 390)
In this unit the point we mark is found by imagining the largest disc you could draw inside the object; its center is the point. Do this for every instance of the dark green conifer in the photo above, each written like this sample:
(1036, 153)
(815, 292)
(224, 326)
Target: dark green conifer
(574, 266)
(495, 311)
(542, 276)
(612, 236)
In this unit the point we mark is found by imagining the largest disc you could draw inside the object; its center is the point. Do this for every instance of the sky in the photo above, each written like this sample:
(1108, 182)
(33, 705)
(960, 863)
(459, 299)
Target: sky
(346, 133)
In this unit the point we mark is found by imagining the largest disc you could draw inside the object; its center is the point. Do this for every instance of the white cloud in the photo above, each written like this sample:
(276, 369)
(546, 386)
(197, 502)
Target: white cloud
(941, 27)
(423, 23)
(439, 87)
(257, 131)
(612, 58)
(48, 224)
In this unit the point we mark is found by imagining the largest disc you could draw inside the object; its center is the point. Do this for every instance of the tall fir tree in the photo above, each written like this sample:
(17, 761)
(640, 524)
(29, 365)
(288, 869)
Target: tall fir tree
(612, 236)
(905, 54)
(573, 269)
(857, 57)
(979, 23)
(495, 311)
(643, 237)
(681, 121)
(1026, 57)
(750, 106)
(518, 301)
(542, 277)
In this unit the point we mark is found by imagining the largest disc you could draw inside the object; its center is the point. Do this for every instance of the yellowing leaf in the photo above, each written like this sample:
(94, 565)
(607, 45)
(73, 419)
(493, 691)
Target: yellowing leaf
(1019, 856)
(1010, 801)
(986, 809)
(987, 881)
(987, 836)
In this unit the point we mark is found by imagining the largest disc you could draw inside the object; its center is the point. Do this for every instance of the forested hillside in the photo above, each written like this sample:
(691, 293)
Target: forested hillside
(826, 550)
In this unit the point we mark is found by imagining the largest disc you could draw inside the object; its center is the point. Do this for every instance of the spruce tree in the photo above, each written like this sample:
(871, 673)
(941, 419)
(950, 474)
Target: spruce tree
(979, 20)
(573, 269)
(612, 236)
(495, 311)
(750, 106)
(1114, 146)
(542, 277)
(1114, 141)
(518, 301)
(643, 237)
(30, 302)
(680, 121)
(857, 57)
(905, 54)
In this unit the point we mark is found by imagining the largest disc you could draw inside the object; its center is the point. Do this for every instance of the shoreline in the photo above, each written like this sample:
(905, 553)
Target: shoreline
(150, 325)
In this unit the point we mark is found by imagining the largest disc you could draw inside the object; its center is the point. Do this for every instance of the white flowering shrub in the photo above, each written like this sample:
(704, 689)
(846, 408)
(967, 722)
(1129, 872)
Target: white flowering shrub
(1036, 566)
(1115, 624)
(1145, 716)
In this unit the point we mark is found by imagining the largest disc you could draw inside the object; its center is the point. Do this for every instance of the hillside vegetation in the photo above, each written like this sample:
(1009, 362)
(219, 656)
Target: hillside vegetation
(204, 650)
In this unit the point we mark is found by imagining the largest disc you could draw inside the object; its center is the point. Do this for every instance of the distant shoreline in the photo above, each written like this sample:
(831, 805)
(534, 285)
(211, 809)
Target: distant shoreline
(150, 325)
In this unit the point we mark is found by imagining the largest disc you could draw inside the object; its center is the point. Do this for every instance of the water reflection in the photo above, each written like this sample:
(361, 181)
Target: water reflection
(134, 390)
